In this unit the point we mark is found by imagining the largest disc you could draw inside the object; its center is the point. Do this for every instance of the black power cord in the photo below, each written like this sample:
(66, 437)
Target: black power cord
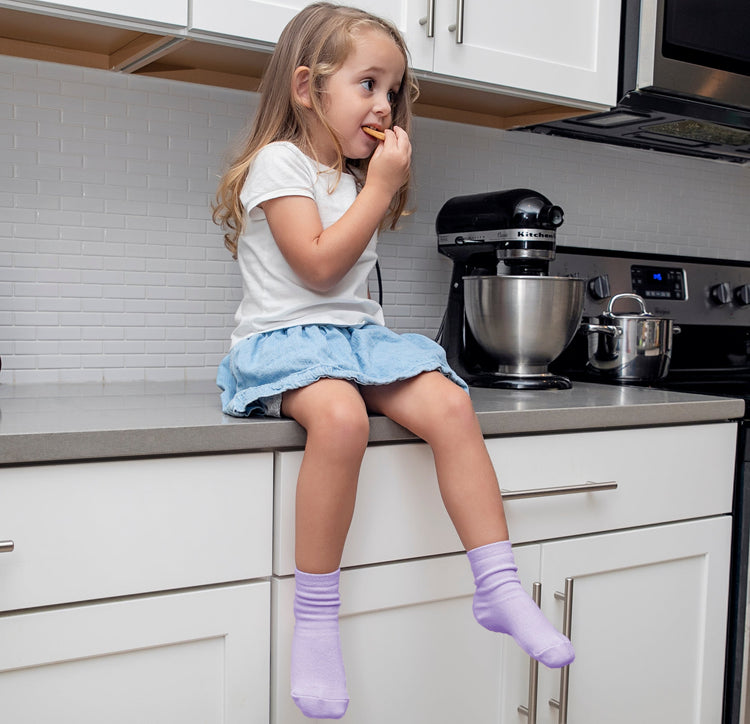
(380, 283)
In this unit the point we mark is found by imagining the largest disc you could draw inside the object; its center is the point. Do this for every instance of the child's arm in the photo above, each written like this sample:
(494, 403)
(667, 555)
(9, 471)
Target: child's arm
(321, 257)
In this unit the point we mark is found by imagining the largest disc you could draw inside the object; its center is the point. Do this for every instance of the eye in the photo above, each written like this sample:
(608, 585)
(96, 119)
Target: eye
(392, 97)
(368, 84)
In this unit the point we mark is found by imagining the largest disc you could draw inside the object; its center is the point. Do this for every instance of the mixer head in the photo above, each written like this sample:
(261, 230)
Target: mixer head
(518, 226)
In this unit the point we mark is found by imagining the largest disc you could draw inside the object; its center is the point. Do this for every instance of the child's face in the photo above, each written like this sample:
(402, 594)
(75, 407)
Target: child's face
(360, 93)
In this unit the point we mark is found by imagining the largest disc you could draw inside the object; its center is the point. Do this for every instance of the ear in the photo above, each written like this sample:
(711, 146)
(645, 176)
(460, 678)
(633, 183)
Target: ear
(301, 86)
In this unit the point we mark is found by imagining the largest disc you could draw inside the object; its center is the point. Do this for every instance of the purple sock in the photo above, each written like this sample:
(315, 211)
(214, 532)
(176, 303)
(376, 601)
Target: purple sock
(501, 605)
(318, 677)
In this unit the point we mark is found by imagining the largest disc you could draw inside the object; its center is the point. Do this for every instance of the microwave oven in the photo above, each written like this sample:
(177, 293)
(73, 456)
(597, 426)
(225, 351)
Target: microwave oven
(683, 84)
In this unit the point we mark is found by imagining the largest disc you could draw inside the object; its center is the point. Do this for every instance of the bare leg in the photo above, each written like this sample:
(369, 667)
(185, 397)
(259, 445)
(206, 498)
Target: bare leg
(335, 417)
(441, 413)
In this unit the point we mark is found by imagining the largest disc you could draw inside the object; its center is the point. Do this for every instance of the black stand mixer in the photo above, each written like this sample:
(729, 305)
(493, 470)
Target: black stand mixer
(503, 326)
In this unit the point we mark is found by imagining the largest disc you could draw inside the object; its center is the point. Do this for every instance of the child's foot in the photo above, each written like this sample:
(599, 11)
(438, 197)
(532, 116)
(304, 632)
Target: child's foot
(501, 605)
(318, 677)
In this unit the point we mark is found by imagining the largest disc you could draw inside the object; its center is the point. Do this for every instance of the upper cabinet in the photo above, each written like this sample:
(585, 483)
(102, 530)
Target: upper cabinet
(163, 12)
(539, 48)
(567, 50)
(489, 63)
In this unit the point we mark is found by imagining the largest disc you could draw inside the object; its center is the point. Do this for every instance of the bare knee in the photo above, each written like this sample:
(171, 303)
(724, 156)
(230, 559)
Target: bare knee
(457, 403)
(343, 422)
(339, 425)
(454, 419)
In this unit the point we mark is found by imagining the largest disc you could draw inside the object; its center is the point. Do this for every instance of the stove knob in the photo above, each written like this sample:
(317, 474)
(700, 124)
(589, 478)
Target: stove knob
(742, 295)
(599, 287)
(721, 293)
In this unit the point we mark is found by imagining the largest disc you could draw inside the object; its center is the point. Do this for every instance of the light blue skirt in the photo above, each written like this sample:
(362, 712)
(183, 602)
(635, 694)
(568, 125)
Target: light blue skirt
(260, 368)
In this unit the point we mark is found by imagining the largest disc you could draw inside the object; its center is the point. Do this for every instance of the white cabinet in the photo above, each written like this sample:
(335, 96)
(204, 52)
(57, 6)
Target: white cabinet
(639, 519)
(649, 612)
(163, 12)
(567, 51)
(648, 615)
(263, 20)
(136, 590)
(85, 531)
(199, 656)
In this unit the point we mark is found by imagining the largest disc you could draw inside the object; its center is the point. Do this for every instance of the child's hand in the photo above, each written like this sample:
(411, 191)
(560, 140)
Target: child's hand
(389, 166)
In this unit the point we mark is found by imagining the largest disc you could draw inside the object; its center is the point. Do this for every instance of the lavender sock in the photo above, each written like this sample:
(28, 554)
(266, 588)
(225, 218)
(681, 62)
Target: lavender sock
(318, 677)
(501, 605)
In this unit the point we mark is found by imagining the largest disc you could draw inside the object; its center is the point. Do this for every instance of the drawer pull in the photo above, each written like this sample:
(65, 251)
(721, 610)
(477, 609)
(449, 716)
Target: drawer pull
(560, 490)
(7, 546)
(530, 709)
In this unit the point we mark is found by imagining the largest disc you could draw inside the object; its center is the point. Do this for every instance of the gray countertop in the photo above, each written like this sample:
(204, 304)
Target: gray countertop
(44, 423)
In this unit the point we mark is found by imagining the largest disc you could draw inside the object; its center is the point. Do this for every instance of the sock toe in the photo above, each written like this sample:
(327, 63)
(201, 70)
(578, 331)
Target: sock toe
(557, 656)
(319, 708)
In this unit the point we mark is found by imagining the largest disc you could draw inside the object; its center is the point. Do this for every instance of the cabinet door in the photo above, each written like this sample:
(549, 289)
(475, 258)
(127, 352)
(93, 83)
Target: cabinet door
(564, 49)
(412, 649)
(263, 20)
(649, 614)
(164, 12)
(198, 656)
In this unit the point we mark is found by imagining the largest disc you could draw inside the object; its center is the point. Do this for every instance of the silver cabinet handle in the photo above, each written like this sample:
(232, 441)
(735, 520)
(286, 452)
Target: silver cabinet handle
(559, 490)
(458, 26)
(429, 19)
(561, 704)
(530, 709)
(7, 546)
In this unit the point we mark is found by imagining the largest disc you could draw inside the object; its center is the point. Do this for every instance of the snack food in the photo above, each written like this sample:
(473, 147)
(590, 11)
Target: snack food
(374, 133)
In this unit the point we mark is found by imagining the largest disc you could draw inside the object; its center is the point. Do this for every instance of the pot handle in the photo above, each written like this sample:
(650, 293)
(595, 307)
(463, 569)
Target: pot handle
(609, 329)
(635, 297)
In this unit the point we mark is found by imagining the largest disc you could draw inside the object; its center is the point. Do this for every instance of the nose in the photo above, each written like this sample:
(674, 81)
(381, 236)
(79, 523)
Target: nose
(383, 104)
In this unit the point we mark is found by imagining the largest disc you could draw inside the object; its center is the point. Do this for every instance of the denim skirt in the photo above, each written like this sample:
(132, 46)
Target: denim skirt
(259, 368)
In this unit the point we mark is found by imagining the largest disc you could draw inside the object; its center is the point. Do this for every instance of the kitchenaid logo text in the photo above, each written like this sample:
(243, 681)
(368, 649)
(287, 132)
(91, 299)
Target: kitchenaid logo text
(529, 234)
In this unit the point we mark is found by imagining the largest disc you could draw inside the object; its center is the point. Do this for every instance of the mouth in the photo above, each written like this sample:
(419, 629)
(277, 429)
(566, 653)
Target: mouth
(374, 132)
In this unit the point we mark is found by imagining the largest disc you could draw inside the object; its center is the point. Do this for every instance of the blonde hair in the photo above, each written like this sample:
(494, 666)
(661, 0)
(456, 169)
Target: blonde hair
(320, 37)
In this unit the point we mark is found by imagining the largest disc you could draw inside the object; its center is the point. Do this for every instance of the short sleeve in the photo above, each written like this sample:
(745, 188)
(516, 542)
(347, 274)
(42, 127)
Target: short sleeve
(279, 169)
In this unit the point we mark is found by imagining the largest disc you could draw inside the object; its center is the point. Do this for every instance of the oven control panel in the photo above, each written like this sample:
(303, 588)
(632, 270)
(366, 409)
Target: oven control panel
(658, 282)
(689, 290)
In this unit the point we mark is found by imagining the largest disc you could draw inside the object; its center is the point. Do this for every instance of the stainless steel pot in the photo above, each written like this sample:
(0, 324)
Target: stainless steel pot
(630, 347)
(524, 322)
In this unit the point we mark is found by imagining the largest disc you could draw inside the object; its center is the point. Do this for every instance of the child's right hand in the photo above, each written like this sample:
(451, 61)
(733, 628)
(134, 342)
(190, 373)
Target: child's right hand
(390, 162)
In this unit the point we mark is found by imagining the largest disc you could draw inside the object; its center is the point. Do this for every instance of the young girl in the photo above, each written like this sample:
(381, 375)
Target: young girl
(301, 206)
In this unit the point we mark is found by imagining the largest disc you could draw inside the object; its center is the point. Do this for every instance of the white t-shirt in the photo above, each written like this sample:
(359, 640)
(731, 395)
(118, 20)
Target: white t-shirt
(273, 296)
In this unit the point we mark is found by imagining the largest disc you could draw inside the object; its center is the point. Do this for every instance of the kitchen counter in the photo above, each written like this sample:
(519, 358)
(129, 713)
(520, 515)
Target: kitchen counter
(45, 423)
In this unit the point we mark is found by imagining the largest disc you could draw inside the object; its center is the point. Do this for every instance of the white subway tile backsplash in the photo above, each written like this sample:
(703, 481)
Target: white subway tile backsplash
(112, 270)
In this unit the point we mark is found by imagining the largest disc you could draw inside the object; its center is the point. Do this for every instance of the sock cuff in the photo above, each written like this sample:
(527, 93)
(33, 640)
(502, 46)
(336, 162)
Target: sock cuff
(491, 550)
(317, 580)
(490, 559)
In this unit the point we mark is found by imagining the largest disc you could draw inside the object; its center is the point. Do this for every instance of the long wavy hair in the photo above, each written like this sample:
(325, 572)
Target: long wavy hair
(320, 37)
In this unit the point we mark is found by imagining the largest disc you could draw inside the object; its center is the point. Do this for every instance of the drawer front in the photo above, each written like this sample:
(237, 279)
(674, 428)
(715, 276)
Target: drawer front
(652, 475)
(95, 530)
(661, 475)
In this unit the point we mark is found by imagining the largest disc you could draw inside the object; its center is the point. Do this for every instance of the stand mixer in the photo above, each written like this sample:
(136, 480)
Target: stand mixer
(504, 326)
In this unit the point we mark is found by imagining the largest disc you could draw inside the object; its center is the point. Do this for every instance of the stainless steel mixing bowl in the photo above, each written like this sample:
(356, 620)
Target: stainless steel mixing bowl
(524, 322)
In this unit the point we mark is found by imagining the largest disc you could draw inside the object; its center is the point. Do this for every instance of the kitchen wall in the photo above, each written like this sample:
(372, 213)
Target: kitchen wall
(111, 269)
